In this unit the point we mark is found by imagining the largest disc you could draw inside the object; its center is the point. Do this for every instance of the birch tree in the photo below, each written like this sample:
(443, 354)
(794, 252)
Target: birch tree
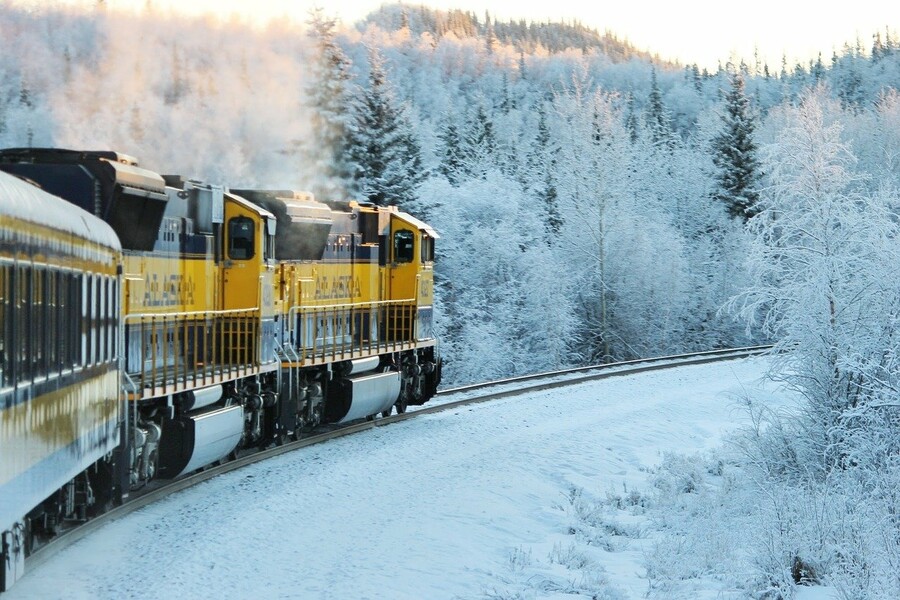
(824, 264)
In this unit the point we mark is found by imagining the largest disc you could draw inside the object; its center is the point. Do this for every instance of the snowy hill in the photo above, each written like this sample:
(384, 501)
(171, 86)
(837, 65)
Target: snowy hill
(527, 37)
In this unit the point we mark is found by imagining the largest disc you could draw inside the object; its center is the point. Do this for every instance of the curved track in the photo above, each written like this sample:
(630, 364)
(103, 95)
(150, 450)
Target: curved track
(445, 400)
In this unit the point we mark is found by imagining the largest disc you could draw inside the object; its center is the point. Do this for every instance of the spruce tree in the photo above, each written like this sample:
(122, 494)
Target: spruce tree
(330, 96)
(735, 154)
(384, 149)
(631, 121)
(450, 151)
(659, 125)
(542, 167)
(479, 144)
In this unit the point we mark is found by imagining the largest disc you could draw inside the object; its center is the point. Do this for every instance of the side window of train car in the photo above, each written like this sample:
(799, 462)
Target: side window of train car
(403, 246)
(241, 238)
(110, 318)
(50, 330)
(23, 319)
(99, 317)
(37, 322)
(87, 331)
(5, 326)
(76, 319)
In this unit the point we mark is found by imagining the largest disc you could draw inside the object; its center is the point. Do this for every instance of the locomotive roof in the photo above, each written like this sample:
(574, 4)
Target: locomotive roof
(22, 200)
(423, 226)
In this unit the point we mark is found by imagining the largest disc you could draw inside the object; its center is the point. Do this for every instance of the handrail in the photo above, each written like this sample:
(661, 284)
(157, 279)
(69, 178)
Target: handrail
(332, 332)
(191, 313)
(373, 303)
(174, 352)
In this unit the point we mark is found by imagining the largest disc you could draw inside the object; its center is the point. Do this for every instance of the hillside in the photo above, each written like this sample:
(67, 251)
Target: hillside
(526, 37)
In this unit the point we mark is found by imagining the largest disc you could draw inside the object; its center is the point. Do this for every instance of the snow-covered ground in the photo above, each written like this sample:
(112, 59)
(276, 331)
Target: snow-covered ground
(521, 498)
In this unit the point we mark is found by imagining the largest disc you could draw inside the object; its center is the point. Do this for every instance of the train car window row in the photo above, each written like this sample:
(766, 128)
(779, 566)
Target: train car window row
(57, 320)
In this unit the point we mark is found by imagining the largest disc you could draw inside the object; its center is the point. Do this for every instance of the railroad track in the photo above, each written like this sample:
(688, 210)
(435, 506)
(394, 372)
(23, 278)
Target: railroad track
(444, 400)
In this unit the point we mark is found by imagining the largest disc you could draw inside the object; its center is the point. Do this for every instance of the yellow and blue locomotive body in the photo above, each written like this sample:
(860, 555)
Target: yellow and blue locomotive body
(223, 320)
(353, 298)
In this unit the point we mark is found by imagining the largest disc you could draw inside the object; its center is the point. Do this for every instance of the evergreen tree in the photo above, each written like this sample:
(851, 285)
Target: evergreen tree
(631, 121)
(659, 125)
(490, 37)
(735, 154)
(817, 70)
(450, 151)
(330, 96)
(479, 144)
(178, 87)
(850, 85)
(695, 78)
(506, 101)
(404, 20)
(384, 149)
(25, 96)
(542, 166)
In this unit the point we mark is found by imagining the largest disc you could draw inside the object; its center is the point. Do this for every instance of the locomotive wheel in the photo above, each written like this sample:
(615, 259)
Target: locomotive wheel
(401, 406)
(387, 413)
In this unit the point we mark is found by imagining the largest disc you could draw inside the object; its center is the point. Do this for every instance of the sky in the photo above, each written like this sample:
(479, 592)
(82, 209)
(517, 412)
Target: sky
(701, 31)
(470, 503)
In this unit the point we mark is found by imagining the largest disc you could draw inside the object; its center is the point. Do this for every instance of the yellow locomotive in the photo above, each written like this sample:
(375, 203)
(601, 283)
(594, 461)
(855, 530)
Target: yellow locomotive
(222, 319)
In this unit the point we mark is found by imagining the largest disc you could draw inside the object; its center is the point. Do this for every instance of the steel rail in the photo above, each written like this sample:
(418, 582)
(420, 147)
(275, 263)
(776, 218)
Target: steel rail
(158, 491)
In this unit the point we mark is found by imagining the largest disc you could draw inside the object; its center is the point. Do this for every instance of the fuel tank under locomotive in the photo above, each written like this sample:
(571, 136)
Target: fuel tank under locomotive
(203, 435)
(357, 391)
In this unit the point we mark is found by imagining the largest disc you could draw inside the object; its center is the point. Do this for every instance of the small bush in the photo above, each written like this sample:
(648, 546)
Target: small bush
(569, 557)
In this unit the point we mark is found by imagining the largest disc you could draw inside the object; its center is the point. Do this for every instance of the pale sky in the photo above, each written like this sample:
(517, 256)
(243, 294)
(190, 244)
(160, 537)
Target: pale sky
(701, 31)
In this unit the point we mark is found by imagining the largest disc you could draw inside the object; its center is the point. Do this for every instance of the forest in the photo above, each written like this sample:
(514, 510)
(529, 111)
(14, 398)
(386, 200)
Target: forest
(595, 203)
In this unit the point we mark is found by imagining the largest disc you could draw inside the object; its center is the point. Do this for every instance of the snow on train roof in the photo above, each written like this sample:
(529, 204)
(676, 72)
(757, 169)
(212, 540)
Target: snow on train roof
(22, 200)
(420, 224)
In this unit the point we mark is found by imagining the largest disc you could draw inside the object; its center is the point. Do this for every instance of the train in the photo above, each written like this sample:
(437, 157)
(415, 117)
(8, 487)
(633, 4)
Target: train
(152, 325)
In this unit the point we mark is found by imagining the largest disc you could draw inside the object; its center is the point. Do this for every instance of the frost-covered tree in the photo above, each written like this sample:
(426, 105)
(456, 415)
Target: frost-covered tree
(541, 177)
(735, 153)
(384, 149)
(628, 262)
(479, 147)
(504, 308)
(450, 151)
(657, 119)
(825, 285)
(330, 95)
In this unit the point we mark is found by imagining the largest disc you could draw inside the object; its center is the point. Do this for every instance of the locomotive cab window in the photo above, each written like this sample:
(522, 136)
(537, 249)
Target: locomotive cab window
(427, 249)
(269, 248)
(241, 238)
(403, 246)
(269, 240)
